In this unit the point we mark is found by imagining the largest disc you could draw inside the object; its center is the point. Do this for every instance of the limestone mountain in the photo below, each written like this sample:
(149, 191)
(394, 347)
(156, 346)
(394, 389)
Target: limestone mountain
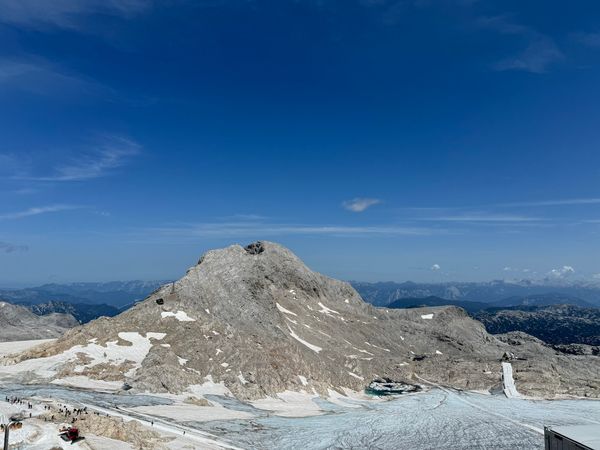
(259, 321)
(18, 323)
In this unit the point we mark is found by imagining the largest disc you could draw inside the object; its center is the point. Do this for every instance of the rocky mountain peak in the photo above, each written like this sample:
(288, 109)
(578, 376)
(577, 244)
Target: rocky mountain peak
(257, 320)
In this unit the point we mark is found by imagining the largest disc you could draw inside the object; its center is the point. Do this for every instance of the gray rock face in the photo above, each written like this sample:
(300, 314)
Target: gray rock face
(259, 320)
(17, 323)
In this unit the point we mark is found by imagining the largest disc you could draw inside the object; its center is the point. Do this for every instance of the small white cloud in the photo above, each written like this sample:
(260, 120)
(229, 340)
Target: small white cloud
(508, 269)
(562, 272)
(435, 267)
(360, 204)
(596, 276)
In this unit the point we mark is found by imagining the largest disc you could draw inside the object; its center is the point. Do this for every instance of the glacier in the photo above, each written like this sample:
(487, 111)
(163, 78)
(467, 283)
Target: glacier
(439, 418)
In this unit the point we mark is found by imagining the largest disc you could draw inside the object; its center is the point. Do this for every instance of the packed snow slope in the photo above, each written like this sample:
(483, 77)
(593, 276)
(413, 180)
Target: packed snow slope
(17, 323)
(259, 322)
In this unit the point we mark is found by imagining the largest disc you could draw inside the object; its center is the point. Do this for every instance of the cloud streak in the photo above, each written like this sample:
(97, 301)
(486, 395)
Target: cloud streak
(36, 211)
(254, 229)
(40, 14)
(6, 247)
(360, 204)
(539, 54)
(114, 153)
(492, 218)
(588, 39)
(560, 202)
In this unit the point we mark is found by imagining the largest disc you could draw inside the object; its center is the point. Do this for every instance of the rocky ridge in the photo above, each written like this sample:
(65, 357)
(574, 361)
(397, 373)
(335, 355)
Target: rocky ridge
(257, 320)
(18, 323)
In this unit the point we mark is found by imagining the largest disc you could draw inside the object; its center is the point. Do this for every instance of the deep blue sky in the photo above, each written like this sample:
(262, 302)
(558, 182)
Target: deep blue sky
(379, 139)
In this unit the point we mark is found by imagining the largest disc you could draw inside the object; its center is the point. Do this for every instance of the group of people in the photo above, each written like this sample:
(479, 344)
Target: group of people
(18, 401)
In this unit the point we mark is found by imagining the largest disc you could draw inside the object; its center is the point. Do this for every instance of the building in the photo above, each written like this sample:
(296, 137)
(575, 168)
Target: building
(572, 437)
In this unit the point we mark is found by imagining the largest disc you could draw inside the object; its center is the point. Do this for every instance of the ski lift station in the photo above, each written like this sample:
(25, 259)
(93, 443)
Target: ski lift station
(574, 437)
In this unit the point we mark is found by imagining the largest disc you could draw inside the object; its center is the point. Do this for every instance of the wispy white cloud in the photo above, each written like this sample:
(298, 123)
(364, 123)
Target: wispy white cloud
(360, 204)
(589, 39)
(6, 247)
(43, 78)
(36, 211)
(435, 267)
(481, 217)
(253, 229)
(558, 202)
(113, 153)
(539, 53)
(68, 14)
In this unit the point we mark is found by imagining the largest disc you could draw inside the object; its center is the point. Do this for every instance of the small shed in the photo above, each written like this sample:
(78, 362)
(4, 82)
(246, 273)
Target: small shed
(572, 437)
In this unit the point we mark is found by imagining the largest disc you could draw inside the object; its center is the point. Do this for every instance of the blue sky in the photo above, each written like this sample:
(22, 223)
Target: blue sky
(379, 139)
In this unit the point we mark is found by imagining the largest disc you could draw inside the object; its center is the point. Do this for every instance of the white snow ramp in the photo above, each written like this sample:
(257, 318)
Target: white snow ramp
(508, 382)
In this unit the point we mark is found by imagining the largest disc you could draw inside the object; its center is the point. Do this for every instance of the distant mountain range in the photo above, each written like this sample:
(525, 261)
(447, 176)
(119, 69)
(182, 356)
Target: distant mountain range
(385, 293)
(501, 306)
(511, 302)
(114, 293)
(83, 312)
(553, 318)
(554, 324)
(84, 301)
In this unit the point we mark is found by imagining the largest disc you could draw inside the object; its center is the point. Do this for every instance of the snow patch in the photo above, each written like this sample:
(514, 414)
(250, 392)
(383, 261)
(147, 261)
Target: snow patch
(209, 387)
(326, 310)
(179, 315)
(285, 311)
(314, 348)
(112, 354)
(290, 404)
(82, 382)
(427, 316)
(341, 400)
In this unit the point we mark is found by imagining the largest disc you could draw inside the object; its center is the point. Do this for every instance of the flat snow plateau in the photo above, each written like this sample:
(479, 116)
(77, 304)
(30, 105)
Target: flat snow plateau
(435, 419)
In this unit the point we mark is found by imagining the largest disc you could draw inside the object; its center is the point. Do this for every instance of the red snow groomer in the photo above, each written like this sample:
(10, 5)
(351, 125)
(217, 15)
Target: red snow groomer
(69, 434)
